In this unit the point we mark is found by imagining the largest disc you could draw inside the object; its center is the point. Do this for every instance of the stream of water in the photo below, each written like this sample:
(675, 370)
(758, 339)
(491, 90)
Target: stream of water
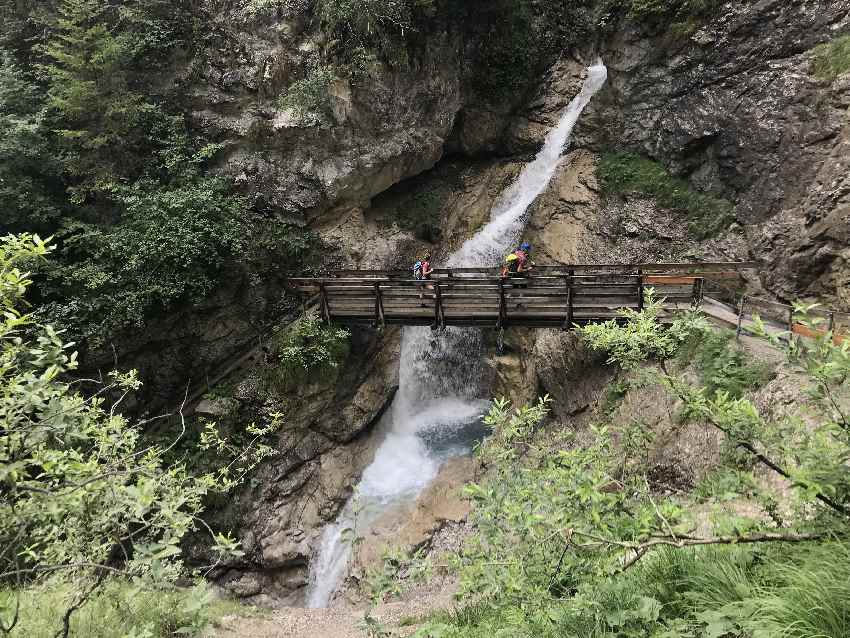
(438, 410)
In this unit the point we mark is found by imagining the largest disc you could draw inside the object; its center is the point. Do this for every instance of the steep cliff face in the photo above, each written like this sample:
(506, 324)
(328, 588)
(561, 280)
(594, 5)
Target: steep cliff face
(328, 436)
(737, 109)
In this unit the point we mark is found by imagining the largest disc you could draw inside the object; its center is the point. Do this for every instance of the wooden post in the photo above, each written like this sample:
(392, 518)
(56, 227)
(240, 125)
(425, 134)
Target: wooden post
(379, 307)
(439, 319)
(503, 307)
(791, 321)
(740, 317)
(568, 321)
(699, 283)
(832, 321)
(326, 309)
(640, 290)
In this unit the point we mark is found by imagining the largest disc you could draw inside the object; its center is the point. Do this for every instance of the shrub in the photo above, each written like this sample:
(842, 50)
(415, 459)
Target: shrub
(306, 351)
(832, 59)
(723, 366)
(310, 95)
(642, 336)
(382, 27)
(169, 247)
(564, 544)
(626, 173)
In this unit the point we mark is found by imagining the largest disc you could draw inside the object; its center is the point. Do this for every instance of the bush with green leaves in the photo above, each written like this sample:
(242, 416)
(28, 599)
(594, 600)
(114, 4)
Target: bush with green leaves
(724, 365)
(832, 59)
(97, 153)
(170, 246)
(310, 95)
(28, 166)
(639, 335)
(307, 351)
(628, 174)
(379, 26)
(85, 497)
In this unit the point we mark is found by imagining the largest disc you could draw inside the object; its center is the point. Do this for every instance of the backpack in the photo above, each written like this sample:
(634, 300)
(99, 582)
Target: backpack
(417, 270)
(512, 264)
(522, 258)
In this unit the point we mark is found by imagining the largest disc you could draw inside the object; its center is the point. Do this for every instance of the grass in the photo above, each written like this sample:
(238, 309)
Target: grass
(832, 59)
(723, 365)
(120, 609)
(790, 591)
(627, 174)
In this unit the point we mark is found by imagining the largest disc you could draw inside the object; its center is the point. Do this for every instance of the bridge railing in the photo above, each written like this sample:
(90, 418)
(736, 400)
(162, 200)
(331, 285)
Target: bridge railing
(549, 297)
(713, 270)
(779, 316)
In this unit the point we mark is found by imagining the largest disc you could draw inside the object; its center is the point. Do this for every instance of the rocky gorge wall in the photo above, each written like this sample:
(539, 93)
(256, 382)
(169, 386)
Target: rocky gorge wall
(405, 162)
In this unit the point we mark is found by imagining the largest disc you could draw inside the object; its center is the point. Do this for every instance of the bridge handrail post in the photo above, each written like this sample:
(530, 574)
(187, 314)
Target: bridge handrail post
(699, 284)
(439, 319)
(326, 310)
(740, 316)
(640, 290)
(503, 307)
(568, 280)
(379, 307)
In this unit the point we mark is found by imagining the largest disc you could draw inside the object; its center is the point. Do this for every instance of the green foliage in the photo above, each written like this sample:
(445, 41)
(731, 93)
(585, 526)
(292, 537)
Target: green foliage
(371, 25)
(719, 592)
(94, 102)
(397, 568)
(83, 496)
(95, 151)
(641, 336)
(170, 246)
(832, 59)
(307, 351)
(28, 166)
(724, 366)
(119, 609)
(310, 95)
(626, 174)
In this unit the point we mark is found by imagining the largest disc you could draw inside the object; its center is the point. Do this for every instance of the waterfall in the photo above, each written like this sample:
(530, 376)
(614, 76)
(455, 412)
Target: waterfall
(438, 407)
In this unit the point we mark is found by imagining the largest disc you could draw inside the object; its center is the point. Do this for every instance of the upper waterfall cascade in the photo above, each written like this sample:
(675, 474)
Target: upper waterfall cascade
(442, 376)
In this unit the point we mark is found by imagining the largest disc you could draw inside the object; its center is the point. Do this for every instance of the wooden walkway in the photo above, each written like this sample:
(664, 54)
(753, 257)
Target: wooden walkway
(549, 297)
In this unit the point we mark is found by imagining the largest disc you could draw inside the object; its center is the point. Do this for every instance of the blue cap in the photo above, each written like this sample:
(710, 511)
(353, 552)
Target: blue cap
(525, 247)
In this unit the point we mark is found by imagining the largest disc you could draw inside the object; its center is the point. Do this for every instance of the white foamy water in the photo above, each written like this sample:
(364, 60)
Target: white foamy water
(437, 411)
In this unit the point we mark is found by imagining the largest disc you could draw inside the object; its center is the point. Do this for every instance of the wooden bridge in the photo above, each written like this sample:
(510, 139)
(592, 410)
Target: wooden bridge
(547, 297)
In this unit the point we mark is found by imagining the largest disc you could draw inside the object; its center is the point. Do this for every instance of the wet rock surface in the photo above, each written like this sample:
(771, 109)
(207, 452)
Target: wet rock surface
(327, 439)
(735, 109)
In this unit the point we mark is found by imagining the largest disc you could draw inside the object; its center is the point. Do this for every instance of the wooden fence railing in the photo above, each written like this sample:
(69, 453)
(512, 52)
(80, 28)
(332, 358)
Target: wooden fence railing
(550, 297)
(818, 321)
